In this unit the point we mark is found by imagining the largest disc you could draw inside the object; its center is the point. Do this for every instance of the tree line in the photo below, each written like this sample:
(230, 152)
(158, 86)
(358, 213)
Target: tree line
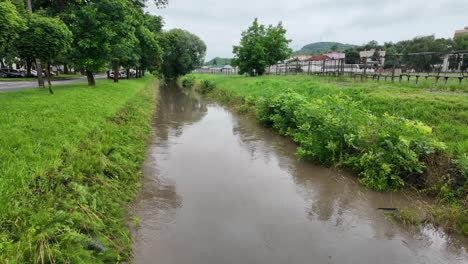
(91, 35)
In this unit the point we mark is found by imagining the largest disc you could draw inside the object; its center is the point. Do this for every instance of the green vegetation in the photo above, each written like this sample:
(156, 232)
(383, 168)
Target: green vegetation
(319, 48)
(207, 86)
(218, 61)
(10, 23)
(380, 130)
(44, 38)
(188, 82)
(70, 164)
(182, 52)
(261, 47)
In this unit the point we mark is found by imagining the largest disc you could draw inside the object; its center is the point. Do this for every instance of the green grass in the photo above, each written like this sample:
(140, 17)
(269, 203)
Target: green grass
(69, 163)
(62, 76)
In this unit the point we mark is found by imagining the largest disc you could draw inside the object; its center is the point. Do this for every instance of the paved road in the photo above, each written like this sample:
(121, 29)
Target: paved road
(9, 86)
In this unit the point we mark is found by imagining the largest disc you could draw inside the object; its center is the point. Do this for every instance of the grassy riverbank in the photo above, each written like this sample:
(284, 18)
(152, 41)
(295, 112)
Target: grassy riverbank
(69, 164)
(391, 135)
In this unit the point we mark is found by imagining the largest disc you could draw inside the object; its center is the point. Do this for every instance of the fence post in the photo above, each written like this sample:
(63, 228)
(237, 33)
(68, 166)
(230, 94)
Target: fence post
(365, 68)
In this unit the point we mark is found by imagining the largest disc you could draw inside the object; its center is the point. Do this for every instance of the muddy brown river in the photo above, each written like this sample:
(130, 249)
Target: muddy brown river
(219, 188)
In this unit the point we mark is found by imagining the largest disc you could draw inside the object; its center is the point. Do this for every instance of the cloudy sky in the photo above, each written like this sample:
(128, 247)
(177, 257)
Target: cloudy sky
(220, 22)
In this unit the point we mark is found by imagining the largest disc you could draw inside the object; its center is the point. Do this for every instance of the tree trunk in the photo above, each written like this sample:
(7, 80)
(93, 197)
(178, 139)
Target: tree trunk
(90, 77)
(128, 73)
(116, 70)
(40, 79)
(142, 71)
(28, 67)
(48, 77)
(65, 69)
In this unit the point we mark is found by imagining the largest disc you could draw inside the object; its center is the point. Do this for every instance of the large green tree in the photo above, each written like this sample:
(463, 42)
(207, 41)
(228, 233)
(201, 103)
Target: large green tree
(45, 38)
(10, 23)
(183, 51)
(261, 47)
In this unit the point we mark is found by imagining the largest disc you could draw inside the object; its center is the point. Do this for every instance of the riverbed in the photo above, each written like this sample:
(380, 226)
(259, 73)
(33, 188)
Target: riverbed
(219, 188)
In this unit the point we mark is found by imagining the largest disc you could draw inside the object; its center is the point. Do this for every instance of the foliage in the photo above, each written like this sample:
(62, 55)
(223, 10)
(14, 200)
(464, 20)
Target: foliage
(207, 86)
(10, 23)
(384, 150)
(188, 82)
(68, 173)
(260, 47)
(318, 48)
(183, 51)
(44, 38)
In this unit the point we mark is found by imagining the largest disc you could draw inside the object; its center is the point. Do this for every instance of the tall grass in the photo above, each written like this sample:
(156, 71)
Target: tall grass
(68, 165)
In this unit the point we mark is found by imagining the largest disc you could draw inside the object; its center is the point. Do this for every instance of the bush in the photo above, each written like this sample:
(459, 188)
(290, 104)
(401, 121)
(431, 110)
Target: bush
(188, 82)
(207, 86)
(384, 150)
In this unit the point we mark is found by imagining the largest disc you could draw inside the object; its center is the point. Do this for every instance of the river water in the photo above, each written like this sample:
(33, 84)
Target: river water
(218, 188)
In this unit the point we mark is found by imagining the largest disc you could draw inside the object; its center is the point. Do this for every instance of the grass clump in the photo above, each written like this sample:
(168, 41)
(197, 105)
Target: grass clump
(69, 164)
(188, 81)
(207, 86)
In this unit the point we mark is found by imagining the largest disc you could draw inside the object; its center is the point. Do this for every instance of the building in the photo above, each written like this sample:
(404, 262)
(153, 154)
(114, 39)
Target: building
(318, 58)
(301, 57)
(335, 55)
(461, 32)
(369, 54)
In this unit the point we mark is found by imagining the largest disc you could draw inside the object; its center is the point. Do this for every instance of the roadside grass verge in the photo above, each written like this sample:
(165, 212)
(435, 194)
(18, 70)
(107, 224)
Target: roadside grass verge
(390, 136)
(69, 164)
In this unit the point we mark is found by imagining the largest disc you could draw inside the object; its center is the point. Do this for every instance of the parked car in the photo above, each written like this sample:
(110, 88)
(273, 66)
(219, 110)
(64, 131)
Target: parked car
(3, 75)
(132, 73)
(11, 73)
(122, 75)
(34, 73)
(51, 73)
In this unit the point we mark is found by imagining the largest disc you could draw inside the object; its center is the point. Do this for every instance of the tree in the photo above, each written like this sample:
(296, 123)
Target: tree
(10, 23)
(45, 38)
(183, 51)
(425, 44)
(276, 44)
(260, 47)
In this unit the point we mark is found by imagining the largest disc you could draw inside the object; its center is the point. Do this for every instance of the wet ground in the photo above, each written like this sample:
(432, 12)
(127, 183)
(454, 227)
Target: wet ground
(219, 188)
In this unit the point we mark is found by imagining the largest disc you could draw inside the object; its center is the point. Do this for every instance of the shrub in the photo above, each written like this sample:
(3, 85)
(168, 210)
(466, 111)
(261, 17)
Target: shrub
(207, 86)
(384, 150)
(188, 81)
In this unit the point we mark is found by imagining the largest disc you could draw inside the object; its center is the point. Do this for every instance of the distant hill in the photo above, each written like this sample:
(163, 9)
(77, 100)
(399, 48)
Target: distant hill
(218, 61)
(318, 48)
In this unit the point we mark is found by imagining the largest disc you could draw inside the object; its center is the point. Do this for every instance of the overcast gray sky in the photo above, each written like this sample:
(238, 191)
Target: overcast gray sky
(220, 22)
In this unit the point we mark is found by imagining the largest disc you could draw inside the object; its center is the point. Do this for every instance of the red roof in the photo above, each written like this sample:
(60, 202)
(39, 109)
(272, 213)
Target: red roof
(318, 58)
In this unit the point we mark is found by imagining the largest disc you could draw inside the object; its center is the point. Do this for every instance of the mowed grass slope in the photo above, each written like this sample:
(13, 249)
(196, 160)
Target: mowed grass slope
(446, 113)
(68, 164)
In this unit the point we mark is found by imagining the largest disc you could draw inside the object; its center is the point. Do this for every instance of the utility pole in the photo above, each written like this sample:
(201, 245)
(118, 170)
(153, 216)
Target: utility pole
(40, 80)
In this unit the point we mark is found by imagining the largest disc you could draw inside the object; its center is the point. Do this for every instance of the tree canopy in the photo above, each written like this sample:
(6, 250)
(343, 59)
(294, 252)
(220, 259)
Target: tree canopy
(261, 47)
(10, 23)
(183, 51)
